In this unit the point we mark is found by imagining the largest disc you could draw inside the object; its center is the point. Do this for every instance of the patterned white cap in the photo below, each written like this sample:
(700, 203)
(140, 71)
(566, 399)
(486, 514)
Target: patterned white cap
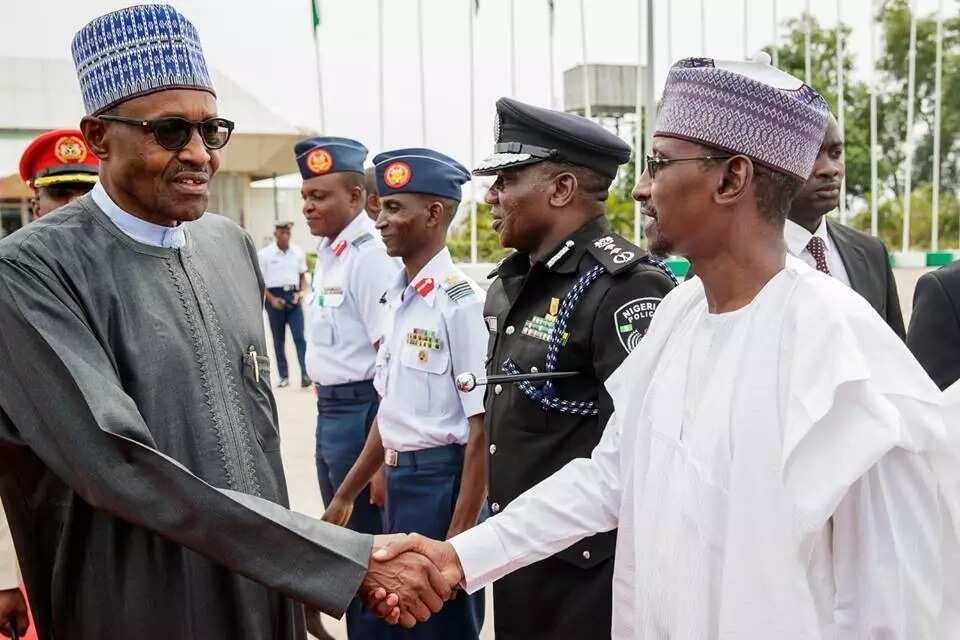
(748, 108)
(136, 51)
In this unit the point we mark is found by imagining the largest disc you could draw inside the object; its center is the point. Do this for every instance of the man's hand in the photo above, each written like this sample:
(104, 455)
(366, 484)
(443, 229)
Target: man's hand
(339, 511)
(442, 554)
(407, 588)
(378, 488)
(297, 297)
(278, 303)
(13, 613)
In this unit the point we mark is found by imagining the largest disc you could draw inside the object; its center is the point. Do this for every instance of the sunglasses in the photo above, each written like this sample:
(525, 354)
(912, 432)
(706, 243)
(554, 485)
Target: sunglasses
(174, 133)
(654, 164)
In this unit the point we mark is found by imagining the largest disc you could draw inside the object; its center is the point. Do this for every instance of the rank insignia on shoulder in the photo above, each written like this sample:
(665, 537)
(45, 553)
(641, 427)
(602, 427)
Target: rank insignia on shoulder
(632, 320)
(359, 240)
(457, 288)
(614, 252)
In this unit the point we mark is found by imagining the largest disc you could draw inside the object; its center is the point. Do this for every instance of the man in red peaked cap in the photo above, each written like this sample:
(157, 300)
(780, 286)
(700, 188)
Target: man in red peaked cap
(59, 168)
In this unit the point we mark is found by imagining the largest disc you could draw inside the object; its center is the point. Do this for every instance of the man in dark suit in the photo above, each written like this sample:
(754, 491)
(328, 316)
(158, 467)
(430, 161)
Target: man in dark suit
(854, 258)
(934, 336)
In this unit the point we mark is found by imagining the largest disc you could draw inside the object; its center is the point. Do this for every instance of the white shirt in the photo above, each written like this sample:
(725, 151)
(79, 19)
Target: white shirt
(282, 268)
(797, 239)
(791, 497)
(155, 235)
(345, 314)
(9, 573)
(434, 331)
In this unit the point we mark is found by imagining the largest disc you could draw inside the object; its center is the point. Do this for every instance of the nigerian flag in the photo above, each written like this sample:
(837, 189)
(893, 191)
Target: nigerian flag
(315, 10)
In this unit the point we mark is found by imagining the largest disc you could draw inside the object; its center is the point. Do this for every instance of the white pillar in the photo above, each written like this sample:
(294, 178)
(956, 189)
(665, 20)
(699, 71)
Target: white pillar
(473, 134)
(874, 197)
(423, 77)
(841, 107)
(587, 110)
(807, 18)
(908, 143)
(380, 49)
(938, 98)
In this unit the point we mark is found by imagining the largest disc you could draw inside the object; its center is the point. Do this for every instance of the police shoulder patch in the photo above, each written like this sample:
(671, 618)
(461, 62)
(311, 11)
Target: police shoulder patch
(632, 320)
(359, 240)
(614, 252)
(458, 288)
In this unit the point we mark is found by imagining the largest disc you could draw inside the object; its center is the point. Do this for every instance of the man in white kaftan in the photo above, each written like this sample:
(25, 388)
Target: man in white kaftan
(777, 462)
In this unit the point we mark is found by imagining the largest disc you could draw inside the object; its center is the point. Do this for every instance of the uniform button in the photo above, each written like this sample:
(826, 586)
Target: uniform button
(534, 370)
(497, 390)
(509, 330)
(586, 555)
(493, 449)
(495, 507)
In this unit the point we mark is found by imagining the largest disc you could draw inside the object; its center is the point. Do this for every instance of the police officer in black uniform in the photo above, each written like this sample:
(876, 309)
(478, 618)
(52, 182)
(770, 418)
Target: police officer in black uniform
(573, 297)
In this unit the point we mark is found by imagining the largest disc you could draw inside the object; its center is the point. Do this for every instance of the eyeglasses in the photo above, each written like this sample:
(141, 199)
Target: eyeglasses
(174, 133)
(655, 164)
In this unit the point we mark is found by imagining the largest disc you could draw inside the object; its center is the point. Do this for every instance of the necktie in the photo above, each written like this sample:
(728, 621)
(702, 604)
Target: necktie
(818, 249)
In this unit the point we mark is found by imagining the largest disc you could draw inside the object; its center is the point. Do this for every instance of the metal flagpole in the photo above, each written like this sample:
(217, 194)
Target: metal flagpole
(380, 50)
(776, 36)
(319, 59)
(471, 9)
(874, 200)
(806, 44)
(638, 130)
(841, 106)
(746, 40)
(703, 27)
(553, 95)
(938, 98)
(908, 143)
(423, 78)
(587, 110)
(513, 54)
(670, 33)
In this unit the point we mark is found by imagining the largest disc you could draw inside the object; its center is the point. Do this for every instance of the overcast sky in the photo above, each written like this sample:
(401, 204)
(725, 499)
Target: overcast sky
(266, 46)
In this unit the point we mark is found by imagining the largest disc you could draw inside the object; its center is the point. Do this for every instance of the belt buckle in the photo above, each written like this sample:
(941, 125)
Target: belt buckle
(390, 457)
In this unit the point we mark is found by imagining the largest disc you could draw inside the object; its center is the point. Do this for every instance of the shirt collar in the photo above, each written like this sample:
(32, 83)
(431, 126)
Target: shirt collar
(155, 235)
(797, 237)
(354, 229)
(564, 258)
(425, 283)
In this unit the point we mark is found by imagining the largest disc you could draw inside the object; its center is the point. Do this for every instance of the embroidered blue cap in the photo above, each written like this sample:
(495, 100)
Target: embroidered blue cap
(419, 171)
(748, 108)
(137, 51)
(325, 154)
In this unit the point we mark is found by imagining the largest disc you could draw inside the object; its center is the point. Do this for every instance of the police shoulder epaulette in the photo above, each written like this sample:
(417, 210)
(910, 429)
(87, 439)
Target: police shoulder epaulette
(359, 240)
(614, 253)
(457, 288)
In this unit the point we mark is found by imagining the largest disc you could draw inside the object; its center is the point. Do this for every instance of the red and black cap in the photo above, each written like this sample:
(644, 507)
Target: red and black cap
(59, 157)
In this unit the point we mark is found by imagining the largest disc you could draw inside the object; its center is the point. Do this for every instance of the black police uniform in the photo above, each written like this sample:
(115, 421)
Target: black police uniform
(602, 290)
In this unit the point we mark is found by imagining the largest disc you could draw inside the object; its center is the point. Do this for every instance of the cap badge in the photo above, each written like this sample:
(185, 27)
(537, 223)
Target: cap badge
(397, 175)
(319, 161)
(70, 150)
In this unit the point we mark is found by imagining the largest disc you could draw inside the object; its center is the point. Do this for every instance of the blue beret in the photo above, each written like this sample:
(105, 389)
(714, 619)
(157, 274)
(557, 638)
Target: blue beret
(325, 154)
(419, 171)
(136, 51)
(527, 134)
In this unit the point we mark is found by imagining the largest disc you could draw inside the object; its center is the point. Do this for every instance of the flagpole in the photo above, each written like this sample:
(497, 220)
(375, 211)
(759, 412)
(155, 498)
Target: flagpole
(587, 110)
(806, 44)
(938, 98)
(639, 128)
(423, 77)
(513, 53)
(471, 8)
(669, 33)
(380, 51)
(703, 27)
(908, 143)
(874, 200)
(776, 36)
(746, 40)
(553, 96)
(315, 7)
(841, 106)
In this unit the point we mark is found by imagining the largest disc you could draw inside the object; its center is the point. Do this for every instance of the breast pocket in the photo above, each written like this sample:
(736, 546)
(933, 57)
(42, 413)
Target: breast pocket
(423, 372)
(261, 406)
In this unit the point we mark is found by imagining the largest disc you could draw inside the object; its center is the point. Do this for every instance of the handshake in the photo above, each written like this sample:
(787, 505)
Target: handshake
(409, 578)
